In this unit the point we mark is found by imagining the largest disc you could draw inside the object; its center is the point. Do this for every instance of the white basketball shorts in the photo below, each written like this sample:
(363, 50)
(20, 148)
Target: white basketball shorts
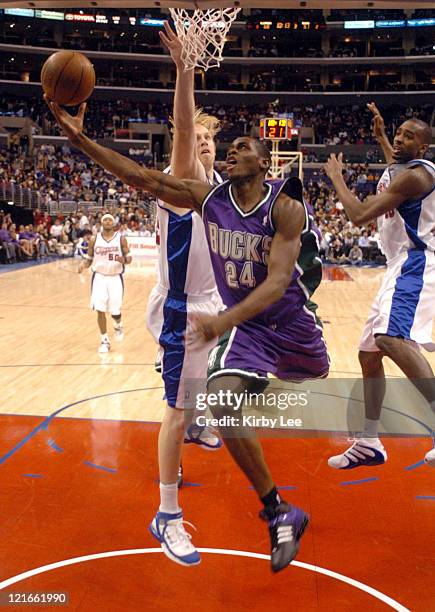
(404, 306)
(169, 320)
(107, 292)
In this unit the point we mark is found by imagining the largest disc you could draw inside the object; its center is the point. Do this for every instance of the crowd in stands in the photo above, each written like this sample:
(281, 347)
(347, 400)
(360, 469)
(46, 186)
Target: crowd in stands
(284, 43)
(65, 235)
(347, 124)
(63, 175)
(57, 173)
(342, 242)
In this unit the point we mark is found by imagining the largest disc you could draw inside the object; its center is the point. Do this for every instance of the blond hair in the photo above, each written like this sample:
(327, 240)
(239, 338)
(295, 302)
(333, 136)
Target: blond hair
(212, 124)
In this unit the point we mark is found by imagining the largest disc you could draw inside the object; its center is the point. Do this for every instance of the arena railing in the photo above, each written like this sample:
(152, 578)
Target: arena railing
(241, 60)
(21, 196)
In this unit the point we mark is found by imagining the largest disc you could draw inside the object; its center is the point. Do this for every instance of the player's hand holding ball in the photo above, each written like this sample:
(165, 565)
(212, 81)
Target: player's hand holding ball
(71, 126)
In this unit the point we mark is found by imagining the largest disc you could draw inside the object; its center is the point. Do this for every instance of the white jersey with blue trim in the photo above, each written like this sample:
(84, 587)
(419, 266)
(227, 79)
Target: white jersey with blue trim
(184, 265)
(411, 225)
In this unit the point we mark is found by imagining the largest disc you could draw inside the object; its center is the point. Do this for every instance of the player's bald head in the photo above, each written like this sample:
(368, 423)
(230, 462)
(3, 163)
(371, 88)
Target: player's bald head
(422, 130)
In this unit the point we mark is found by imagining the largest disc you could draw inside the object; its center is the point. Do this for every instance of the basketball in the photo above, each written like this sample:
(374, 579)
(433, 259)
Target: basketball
(68, 77)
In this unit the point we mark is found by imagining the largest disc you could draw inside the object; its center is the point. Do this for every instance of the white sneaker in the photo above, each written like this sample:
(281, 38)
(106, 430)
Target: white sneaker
(104, 346)
(430, 457)
(119, 333)
(169, 530)
(364, 451)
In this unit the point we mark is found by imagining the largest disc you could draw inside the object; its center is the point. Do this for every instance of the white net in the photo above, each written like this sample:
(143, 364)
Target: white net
(203, 35)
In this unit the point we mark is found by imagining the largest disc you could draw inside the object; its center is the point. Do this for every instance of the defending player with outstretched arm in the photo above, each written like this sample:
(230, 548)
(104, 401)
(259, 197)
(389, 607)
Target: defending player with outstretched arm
(401, 317)
(411, 141)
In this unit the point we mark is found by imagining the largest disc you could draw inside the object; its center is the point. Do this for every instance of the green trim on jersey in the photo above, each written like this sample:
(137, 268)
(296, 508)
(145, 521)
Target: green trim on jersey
(309, 262)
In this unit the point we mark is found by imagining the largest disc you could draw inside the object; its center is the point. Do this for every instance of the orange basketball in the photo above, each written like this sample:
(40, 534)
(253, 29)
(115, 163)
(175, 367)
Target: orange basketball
(68, 77)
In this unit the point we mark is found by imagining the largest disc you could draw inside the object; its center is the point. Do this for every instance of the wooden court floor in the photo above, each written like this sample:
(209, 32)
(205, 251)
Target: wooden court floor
(78, 472)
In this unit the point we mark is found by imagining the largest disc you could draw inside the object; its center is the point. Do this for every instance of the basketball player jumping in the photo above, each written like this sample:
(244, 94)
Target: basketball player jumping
(185, 286)
(108, 253)
(403, 310)
(257, 276)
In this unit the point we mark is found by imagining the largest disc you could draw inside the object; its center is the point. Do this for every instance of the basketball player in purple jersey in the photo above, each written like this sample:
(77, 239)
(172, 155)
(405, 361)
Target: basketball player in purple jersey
(254, 230)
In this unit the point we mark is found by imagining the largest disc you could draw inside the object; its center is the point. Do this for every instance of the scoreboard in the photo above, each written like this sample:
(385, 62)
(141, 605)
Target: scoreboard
(277, 128)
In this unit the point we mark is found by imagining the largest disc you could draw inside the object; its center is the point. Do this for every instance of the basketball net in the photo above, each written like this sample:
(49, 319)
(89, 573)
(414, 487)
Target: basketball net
(202, 35)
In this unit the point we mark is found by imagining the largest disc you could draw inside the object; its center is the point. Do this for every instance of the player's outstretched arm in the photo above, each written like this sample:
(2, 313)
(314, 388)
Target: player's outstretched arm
(380, 134)
(289, 221)
(184, 158)
(181, 193)
(408, 185)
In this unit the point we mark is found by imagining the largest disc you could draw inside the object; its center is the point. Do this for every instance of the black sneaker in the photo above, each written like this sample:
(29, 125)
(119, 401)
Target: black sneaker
(286, 527)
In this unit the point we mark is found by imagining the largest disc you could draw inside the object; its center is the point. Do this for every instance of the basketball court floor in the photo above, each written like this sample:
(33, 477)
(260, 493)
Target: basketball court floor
(78, 470)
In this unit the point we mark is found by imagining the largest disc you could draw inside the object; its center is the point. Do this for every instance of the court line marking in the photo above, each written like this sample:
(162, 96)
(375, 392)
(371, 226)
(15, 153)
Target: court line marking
(54, 446)
(429, 429)
(100, 467)
(395, 605)
(356, 482)
(415, 465)
(46, 422)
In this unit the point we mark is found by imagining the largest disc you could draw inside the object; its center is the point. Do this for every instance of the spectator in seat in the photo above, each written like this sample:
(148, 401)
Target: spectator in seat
(7, 243)
(64, 247)
(355, 256)
(56, 230)
(363, 243)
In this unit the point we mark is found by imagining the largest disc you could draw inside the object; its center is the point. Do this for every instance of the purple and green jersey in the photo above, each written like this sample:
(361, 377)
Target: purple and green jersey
(286, 338)
(240, 243)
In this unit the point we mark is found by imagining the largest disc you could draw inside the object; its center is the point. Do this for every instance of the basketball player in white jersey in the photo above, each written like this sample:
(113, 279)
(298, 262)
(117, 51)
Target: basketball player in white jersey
(403, 310)
(108, 253)
(185, 286)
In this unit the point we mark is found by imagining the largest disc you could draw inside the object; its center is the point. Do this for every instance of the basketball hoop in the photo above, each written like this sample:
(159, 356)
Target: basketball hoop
(203, 35)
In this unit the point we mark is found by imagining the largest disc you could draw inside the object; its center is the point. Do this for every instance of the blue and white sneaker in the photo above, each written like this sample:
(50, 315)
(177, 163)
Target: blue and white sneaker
(286, 527)
(430, 457)
(364, 451)
(169, 530)
(204, 436)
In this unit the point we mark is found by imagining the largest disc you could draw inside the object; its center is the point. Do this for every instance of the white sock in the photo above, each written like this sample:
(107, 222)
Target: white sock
(169, 498)
(371, 428)
(104, 337)
(118, 325)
